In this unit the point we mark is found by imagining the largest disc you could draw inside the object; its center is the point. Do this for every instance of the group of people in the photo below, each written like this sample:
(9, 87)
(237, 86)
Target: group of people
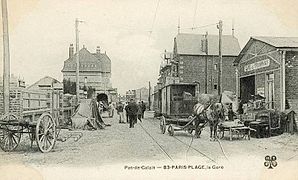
(132, 110)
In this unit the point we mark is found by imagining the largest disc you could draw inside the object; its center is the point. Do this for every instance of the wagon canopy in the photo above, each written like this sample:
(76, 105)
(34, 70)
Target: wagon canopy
(206, 98)
(87, 116)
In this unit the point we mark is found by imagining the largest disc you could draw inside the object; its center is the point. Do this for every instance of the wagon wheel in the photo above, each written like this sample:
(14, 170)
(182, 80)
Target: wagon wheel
(45, 133)
(171, 130)
(10, 136)
(163, 124)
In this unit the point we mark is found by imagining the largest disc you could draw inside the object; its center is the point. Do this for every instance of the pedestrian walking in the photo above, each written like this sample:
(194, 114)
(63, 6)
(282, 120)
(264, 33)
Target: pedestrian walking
(140, 111)
(125, 110)
(119, 109)
(143, 109)
(132, 110)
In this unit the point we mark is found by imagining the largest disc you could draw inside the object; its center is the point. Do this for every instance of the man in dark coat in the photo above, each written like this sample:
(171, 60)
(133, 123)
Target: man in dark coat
(132, 110)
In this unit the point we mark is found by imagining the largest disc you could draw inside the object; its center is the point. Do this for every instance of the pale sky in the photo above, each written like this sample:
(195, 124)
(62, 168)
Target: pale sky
(41, 31)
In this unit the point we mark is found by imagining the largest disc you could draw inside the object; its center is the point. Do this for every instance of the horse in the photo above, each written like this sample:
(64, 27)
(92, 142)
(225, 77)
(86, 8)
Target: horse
(212, 112)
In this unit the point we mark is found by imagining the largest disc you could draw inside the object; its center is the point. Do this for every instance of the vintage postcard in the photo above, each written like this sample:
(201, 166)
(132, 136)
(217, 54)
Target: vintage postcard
(148, 89)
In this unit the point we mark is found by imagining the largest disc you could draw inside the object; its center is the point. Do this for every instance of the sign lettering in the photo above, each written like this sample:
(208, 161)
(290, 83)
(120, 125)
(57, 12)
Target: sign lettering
(257, 65)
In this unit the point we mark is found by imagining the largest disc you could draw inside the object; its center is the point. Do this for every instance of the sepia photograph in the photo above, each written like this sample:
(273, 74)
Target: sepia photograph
(148, 89)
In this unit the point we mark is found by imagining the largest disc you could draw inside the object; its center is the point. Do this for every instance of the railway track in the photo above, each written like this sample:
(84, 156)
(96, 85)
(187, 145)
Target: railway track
(188, 145)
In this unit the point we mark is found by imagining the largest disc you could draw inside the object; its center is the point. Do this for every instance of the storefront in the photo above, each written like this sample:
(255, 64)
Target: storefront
(267, 67)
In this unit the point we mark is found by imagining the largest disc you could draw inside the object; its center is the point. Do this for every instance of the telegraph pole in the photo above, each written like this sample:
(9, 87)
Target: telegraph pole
(219, 27)
(77, 60)
(6, 58)
(149, 97)
(206, 63)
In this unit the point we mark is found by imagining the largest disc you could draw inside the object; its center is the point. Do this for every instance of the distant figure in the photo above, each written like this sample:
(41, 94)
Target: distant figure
(126, 114)
(120, 112)
(140, 111)
(111, 110)
(143, 108)
(132, 111)
(231, 113)
(240, 109)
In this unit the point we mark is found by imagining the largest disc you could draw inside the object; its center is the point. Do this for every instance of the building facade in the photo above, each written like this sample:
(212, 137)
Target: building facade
(268, 67)
(94, 71)
(195, 60)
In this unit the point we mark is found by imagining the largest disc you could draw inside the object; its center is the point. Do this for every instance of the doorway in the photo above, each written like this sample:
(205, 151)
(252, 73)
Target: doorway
(247, 88)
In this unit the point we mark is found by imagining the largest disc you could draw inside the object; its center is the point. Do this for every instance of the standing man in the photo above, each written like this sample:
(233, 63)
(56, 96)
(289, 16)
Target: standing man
(140, 111)
(143, 109)
(126, 114)
(120, 112)
(132, 110)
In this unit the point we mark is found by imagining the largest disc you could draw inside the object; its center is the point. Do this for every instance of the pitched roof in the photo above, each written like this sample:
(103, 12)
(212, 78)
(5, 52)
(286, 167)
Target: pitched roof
(279, 42)
(105, 60)
(191, 44)
(88, 62)
(45, 81)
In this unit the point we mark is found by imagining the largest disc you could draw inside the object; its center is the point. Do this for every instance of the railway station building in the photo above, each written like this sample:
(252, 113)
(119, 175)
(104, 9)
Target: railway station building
(268, 67)
(94, 71)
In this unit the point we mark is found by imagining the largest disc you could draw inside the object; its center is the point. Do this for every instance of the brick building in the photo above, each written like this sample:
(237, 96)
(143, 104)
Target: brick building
(195, 60)
(94, 71)
(268, 66)
(17, 85)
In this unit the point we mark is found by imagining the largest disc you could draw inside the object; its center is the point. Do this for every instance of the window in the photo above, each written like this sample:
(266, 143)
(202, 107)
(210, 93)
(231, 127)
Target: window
(215, 86)
(215, 67)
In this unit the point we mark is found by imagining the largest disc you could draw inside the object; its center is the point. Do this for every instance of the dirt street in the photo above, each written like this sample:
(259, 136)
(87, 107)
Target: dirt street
(120, 146)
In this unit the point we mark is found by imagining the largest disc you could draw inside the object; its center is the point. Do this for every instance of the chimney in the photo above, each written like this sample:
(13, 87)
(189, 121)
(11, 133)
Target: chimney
(97, 50)
(70, 51)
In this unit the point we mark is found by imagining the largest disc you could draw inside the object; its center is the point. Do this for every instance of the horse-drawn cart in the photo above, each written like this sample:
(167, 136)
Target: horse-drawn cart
(176, 106)
(38, 113)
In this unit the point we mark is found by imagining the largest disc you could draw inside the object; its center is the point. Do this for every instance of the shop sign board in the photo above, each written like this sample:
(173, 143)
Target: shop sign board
(257, 65)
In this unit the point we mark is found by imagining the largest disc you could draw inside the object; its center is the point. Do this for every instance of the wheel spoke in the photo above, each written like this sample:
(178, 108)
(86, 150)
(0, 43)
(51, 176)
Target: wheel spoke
(15, 141)
(41, 138)
(44, 143)
(51, 125)
(49, 141)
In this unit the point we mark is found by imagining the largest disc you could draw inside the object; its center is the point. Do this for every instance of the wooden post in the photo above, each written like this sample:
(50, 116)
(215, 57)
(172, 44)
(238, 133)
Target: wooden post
(6, 58)
(149, 97)
(219, 26)
(206, 63)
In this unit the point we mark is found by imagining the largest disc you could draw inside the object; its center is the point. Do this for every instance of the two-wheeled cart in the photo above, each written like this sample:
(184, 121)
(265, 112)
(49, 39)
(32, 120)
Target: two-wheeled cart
(36, 113)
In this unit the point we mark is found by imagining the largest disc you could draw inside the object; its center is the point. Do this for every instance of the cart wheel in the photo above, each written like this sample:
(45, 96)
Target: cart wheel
(171, 130)
(45, 133)
(10, 136)
(163, 124)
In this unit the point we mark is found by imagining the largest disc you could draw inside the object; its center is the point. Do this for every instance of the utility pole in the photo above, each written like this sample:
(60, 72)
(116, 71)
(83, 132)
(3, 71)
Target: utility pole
(219, 27)
(206, 63)
(179, 25)
(6, 58)
(149, 97)
(77, 60)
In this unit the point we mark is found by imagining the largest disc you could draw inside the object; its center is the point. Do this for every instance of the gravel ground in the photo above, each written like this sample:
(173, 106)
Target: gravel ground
(115, 147)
